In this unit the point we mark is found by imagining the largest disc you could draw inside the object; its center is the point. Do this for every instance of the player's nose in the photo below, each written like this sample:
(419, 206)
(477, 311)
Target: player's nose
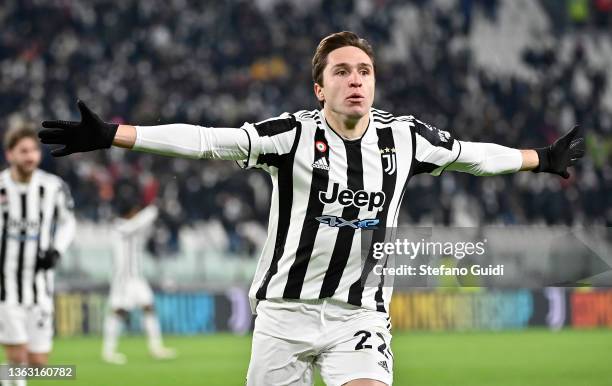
(355, 79)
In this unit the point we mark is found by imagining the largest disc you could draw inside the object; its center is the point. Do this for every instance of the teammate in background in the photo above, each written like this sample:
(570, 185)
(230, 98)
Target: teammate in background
(129, 289)
(337, 173)
(37, 226)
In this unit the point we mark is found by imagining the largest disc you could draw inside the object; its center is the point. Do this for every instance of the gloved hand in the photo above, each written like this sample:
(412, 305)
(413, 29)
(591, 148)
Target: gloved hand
(562, 154)
(91, 133)
(47, 259)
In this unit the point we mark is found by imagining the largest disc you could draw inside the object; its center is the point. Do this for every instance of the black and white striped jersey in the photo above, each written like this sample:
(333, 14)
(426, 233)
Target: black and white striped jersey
(328, 191)
(129, 245)
(35, 216)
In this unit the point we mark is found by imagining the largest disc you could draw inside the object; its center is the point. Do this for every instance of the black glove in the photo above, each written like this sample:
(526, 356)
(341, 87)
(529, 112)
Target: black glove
(91, 133)
(47, 259)
(562, 154)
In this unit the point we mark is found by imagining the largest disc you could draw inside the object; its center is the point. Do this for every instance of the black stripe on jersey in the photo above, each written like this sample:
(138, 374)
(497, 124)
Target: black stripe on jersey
(381, 113)
(424, 167)
(41, 194)
(285, 203)
(312, 115)
(381, 121)
(271, 128)
(386, 118)
(271, 159)
(385, 141)
(309, 114)
(344, 239)
(54, 225)
(22, 240)
(274, 127)
(432, 135)
(319, 181)
(5, 217)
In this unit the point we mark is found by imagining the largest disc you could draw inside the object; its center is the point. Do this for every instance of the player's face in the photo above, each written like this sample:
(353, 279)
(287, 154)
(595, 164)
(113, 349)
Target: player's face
(24, 156)
(348, 82)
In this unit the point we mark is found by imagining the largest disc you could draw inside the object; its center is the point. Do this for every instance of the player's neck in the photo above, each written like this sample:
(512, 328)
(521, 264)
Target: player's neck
(348, 128)
(20, 177)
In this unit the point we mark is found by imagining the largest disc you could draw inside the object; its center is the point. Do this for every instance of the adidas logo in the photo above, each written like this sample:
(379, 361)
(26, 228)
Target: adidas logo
(383, 364)
(321, 163)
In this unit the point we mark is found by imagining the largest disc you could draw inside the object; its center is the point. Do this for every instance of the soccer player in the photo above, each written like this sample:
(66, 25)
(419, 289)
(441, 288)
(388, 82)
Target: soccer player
(129, 289)
(37, 227)
(337, 173)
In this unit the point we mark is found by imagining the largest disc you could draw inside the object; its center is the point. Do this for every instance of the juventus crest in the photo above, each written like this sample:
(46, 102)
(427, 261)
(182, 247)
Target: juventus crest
(389, 160)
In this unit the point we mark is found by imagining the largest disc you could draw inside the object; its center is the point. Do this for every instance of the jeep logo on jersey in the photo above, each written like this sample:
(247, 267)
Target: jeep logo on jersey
(347, 197)
(22, 224)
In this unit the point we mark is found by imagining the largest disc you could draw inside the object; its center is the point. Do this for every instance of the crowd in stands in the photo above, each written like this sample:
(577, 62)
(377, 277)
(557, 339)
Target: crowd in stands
(226, 63)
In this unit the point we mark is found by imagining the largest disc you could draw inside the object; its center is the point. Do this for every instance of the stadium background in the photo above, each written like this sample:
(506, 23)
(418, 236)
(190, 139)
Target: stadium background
(518, 73)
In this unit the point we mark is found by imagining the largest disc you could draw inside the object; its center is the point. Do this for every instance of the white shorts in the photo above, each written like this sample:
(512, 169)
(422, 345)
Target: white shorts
(344, 342)
(131, 293)
(29, 325)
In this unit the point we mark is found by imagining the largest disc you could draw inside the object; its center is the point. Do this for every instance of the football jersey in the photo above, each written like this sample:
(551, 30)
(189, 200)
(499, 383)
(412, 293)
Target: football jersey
(328, 192)
(35, 216)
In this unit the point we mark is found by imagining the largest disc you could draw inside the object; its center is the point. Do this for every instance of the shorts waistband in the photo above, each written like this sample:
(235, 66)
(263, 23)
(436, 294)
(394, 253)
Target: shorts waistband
(331, 301)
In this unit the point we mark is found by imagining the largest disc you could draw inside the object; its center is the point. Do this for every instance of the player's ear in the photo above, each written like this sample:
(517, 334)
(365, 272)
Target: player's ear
(318, 90)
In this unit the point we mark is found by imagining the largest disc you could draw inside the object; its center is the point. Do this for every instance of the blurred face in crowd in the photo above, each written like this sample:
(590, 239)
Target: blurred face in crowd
(25, 156)
(348, 83)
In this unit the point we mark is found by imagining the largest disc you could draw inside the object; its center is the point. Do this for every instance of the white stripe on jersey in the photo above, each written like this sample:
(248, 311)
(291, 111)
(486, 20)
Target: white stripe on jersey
(35, 216)
(318, 215)
(130, 238)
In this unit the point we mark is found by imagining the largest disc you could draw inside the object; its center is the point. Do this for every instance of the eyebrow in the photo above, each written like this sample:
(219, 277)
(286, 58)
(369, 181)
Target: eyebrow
(359, 65)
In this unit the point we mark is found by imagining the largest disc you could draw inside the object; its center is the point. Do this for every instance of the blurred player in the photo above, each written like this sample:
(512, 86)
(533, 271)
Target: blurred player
(129, 289)
(337, 173)
(37, 227)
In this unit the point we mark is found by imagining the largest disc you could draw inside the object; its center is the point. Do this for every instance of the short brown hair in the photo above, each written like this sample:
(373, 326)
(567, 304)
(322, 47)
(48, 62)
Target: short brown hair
(17, 133)
(333, 42)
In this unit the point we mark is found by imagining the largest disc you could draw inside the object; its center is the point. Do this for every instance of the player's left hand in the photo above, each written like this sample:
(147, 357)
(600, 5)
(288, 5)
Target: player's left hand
(47, 259)
(565, 152)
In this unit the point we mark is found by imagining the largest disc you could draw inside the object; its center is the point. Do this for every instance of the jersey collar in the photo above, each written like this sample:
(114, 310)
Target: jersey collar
(369, 135)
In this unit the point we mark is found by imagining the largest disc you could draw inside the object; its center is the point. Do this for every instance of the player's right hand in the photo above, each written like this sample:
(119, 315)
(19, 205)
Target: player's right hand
(47, 259)
(91, 133)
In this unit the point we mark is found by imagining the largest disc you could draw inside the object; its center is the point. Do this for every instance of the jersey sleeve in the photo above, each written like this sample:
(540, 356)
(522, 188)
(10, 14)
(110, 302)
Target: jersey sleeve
(141, 221)
(435, 149)
(271, 142)
(263, 145)
(66, 223)
(192, 141)
(486, 159)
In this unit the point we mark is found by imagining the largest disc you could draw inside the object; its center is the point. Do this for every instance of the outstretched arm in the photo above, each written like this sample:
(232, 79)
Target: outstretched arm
(490, 159)
(180, 140)
(141, 221)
